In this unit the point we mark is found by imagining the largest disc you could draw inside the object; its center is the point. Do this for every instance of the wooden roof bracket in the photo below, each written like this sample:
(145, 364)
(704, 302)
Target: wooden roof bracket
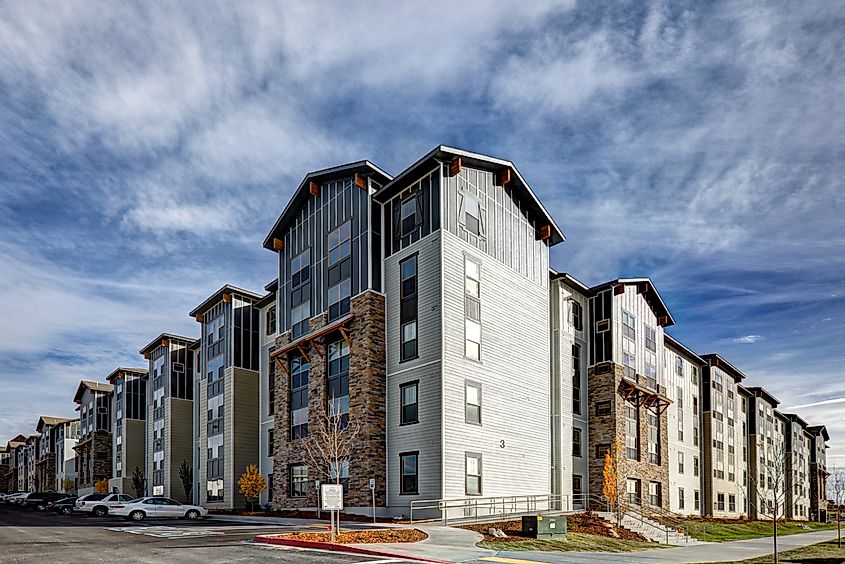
(281, 364)
(345, 334)
(303, 353)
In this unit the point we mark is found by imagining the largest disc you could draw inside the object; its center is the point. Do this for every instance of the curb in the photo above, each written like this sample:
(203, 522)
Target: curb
(348, 548)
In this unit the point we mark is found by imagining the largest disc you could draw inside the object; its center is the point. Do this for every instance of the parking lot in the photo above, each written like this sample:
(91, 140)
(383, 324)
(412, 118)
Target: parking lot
(30, 536)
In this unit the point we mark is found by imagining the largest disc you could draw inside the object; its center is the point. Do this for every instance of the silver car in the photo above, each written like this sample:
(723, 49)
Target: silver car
(156, 508)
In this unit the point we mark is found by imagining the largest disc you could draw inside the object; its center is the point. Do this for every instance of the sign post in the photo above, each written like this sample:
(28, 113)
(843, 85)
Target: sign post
(317, 483)
(332, 500)
(373, 491)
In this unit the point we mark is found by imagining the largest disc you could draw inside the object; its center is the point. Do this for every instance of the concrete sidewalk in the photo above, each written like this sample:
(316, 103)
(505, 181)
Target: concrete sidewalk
(448, 544)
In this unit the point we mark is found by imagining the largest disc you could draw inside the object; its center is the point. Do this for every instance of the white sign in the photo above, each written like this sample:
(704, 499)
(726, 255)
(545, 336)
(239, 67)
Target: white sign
(331, 497)
(372, 483)
(158, 490)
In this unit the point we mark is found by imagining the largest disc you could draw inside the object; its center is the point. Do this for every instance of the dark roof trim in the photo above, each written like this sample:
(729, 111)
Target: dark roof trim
(679, 346)
(301, 195)
(45, 421)
(91, 385)
(761, 392)
(795, 418)
(155, 343)
(272, 285)
(714, 359)
(653, 298)
(113, 376)
(266, 300)
(819, 429)
(212, 300)
(442, 153)
(571, 280)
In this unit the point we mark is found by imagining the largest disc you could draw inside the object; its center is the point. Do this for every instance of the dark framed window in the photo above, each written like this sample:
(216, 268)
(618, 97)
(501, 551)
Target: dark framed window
(473, 402)
(299, 369)
(298, 480)
(408, 308)
(270, 321)
(720, 502)
(577, 484)
(602, 408)
(602, 450)
(680, 498)
(409, 403)
(300, 269)
(650, 339)
(338, 380)
(408, 215)
(629, 326)
(271, 386)
(576, 442)
(472, 308)
(408, 469)
(576, 379)
(340, 270)
(473, 472)
(271, 443)
(577, 316)
(472, 215)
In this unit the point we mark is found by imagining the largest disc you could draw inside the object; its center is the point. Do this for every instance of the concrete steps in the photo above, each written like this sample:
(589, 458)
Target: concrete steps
(650, 529)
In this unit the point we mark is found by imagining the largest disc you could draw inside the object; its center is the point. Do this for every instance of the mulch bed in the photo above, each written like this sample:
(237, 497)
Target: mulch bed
(584, 523)
(362, 537)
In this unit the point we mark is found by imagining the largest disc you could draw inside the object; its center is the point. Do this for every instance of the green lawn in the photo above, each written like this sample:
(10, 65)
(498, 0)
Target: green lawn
(574, 542)
(723, 532)
(821, 553)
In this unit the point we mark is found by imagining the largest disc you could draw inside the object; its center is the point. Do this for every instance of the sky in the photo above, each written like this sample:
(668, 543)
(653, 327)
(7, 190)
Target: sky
(146, 150)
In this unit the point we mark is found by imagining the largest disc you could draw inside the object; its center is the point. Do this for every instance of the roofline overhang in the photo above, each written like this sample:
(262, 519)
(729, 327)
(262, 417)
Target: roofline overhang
(819, 429)
(91, 385)
(571, 280)
(116, 372)
(212, 300)
(155, 343)
(675, 343)
(441, 153)
(714, 359)
(650, 289)
(795, 418)
(762, 392)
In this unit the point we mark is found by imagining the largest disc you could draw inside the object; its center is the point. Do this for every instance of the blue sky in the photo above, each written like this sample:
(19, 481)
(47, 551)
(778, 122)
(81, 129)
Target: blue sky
(146, 150)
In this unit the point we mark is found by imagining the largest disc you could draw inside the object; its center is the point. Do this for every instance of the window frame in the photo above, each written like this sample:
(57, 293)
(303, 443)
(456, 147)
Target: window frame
(416, 474)
(477, 385)
(415, 384)
(408, 309)
(475, 456)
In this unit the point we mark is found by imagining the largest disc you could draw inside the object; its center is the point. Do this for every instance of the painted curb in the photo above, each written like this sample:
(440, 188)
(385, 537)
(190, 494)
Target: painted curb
(355, 549)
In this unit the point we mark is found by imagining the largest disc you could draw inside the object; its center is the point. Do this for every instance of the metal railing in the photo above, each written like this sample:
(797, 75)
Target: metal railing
(662, 521)
(478, 509)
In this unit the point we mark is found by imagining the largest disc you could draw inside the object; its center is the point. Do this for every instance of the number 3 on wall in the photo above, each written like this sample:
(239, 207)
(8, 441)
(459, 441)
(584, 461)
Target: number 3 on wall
(502, 444)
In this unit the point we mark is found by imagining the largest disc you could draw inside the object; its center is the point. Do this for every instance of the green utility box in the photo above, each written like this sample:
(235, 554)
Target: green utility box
(545, 527)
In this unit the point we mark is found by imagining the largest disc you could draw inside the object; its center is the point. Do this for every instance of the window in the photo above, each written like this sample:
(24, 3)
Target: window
(679, 366)
(299, 318)
(472, 215)
(299, 369)
(271, 386)
(473, 474)
(696, 500)
(632, 431)
(576, 379)
(338, 381)
(629, 326)
(340, 270)
(473, 403)
(472, 309)
(410, 403)
(576, 442)
(271, 445)
(214, 490)
(695, 466)
(298, 486)
(340, 243)
(680, 463)
(577, 484)
(632, 490)
(408, 308)
(602, 408)
(339, 296)
(601, 451)
(680, 498)
(654, 494)
(270, 321)
(408, 472)
(408, 215)
(339, 473)
(732, 503)
(720, 502)
(653, 436)
(650, 339)
(577, 316)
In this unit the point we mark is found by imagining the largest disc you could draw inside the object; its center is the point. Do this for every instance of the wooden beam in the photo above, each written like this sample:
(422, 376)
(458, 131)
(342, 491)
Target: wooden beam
(303, 353)
(278, 244)
(504, 176)
(146, 356)
(314, 188)
(345, 334)
(360, 181)
(618, 289)
(164, 343)
(544, 233)
(282, 364)
(227, 298)
(455, 167)
(199, 318)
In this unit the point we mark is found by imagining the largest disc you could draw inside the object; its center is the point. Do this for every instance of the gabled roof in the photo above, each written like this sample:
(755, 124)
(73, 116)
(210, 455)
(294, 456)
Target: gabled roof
(819, 430)
(442, 153)
(678, 346)
(652, 296)
(212, 300)
(300, 196)
(761, 392)
(45, 421)
(118, 372)
(571, 280)
(714, 359)
(91, 385)
(15, 442)
(272, 285)
(795, 418)
(155, 343)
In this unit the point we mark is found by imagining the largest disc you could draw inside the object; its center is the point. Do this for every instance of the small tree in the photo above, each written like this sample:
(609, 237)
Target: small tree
(836, 490)
(186, 474)
(770, 488)
(139, 483)
(68, 485)
(611, 475)
(101, 486)
(252, 484)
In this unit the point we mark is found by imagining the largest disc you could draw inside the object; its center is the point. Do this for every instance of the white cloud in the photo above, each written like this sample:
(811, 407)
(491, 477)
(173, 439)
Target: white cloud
(748, 339)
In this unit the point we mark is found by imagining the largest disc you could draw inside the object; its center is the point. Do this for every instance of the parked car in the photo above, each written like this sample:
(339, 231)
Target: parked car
(7, 498)
(39, 500)
(98, 504)
(156, 508)
(16, 498)
(62, 506)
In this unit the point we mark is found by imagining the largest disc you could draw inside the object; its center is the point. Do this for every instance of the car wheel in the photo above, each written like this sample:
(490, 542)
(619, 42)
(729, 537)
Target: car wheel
(137, 515)
(66, 510)
(192, 514)
(100, 511)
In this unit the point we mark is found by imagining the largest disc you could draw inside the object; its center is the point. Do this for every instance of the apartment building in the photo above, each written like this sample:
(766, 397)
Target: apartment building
(228, 402)
(94, 448)
(170, 415)
(46, 457)
(5, 466)
(766, 455)
(568, 395)
(13, 448)
(129, 418)
(798, 445)
(683, 370)
(267, 387)
(726, 454)
(818, 472)
(67, 436)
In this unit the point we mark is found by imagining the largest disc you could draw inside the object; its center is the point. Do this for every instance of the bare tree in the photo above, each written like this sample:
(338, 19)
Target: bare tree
(768, 486)
(836, 491)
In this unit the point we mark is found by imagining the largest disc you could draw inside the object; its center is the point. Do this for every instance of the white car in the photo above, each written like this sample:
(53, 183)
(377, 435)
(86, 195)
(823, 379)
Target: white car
(157, 508)
(16, 498)
(99, 504)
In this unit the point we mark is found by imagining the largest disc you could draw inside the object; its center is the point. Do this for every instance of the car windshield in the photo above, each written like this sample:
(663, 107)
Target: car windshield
(136, 500)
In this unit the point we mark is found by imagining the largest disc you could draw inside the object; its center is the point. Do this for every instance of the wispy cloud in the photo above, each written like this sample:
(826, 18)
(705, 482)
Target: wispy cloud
(748, 339)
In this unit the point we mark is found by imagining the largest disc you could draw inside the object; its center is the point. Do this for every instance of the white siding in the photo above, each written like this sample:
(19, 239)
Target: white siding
(690, 387)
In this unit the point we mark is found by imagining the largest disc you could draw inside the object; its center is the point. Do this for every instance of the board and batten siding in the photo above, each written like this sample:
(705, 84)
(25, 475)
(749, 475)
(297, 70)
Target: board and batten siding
(179, 432)
(241, 429)
(635, 304)
(425, 436)
(265, 418)
(513, 372)
(689, 383)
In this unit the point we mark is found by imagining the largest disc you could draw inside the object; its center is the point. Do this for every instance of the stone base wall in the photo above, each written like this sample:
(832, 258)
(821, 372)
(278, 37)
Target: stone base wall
(606, 385)
(94, 459)
(367, 381)
(818, 498)
(45, 473)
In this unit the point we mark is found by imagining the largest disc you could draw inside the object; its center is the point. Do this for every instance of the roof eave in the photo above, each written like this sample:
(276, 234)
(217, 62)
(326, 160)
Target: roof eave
(212, 300)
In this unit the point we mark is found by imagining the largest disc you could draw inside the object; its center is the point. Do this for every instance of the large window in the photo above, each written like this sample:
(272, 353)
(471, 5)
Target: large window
(300, 269)
(298, 486)
(473, 473)
(410, 403)
(576, 379)
(271, 386)
(408, 308)
(576, 442)
(298, 397)
(473, 403)
(577, 316)
(632, 431)
(680, 462)
(270, 321)
(340, 270)
(215, 490)
(300, 316)
(654, 494)
(472, 309)
(338, 381)
(408, 470)
(629, 326)
(408, 215)
(472, 215)
(650, 339)
(653, 436)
